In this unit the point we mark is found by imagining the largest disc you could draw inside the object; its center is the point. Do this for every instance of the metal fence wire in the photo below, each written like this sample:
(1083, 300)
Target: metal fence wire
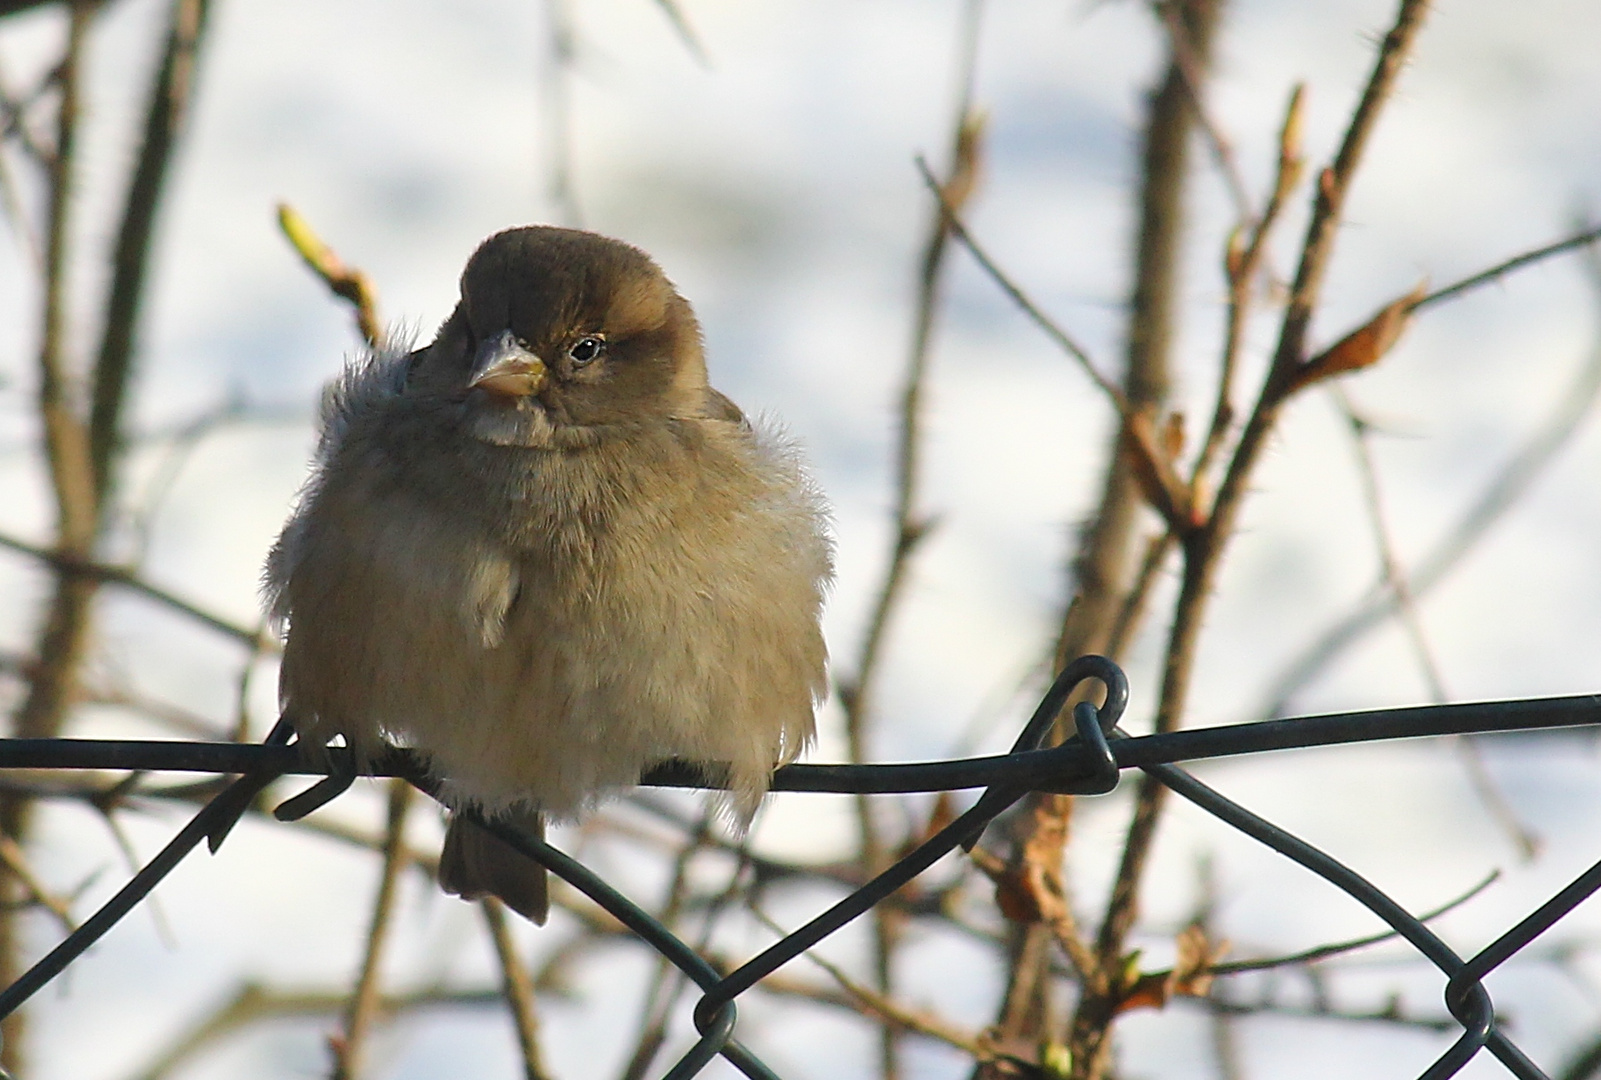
(1088, 763)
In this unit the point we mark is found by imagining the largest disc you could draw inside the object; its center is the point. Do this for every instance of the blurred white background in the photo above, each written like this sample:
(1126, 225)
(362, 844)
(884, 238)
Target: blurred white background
(775, 184)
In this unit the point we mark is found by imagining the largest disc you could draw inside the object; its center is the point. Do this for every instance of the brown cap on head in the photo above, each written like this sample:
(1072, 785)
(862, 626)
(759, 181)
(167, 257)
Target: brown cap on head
(608, 333)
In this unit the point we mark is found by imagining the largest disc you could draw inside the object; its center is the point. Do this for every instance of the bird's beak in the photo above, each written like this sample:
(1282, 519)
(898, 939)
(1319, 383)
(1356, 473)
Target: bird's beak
(504, 368)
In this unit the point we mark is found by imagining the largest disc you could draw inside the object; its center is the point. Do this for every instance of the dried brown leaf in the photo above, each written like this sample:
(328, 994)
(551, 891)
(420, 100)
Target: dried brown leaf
(1154, 470)
(1364, 346)
(1190, 976)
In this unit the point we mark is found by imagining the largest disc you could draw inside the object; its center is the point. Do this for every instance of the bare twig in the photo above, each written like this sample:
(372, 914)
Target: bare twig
(1501, 269)
(169, 101)
(1203, 548)
(1242, 265)
(348, 283)
(518, 988)
(252, 1003)
(1568, 413)
(76, 567)
(562, 186)
(864, 998)
(1014, 292)
(16, 861)
(1340, 948)
(362, 1008)
(62, 638)
(1395, 580)
(911, 525)
(1191, 70)
(667, 982)
(686, 33)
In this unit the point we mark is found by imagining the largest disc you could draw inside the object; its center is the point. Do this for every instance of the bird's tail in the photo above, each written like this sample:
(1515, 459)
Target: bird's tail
(475, 862)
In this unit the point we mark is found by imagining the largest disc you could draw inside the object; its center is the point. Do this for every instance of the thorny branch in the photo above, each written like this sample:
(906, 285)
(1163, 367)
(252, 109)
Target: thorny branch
(1203, 546)
(1567, 414)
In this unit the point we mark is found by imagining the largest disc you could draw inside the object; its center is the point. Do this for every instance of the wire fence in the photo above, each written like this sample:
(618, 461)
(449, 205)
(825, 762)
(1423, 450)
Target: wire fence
(1088, 763)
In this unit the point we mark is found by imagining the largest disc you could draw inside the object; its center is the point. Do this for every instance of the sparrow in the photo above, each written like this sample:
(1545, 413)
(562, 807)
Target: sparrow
(544, 554)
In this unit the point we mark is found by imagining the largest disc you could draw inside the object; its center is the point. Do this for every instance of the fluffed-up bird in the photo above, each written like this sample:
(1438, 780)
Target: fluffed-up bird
(544, 553)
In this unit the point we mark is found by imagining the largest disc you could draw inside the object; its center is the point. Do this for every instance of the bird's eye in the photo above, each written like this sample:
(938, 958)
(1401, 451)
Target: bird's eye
(587, 348)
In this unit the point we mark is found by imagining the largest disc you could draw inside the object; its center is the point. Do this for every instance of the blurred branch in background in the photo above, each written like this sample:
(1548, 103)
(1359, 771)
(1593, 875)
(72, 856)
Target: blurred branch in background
(1569, 410)
(1171, 490)
(64, 435)
(1108, 548)
(911, 524)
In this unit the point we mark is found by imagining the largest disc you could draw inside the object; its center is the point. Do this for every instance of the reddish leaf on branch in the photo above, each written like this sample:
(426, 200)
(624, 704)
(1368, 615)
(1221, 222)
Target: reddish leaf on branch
(1152, 457)
(1190, 976)
(1364, 346)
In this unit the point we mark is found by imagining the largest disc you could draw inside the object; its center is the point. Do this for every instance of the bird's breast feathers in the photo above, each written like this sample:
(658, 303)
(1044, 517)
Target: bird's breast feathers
(652, 599)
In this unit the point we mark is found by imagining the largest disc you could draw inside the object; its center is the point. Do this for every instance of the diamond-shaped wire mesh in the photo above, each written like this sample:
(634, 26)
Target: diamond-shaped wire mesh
(1088, 763)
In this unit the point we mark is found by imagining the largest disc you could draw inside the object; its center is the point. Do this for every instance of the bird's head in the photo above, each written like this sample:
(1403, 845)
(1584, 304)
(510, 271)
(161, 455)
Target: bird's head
(562, 336)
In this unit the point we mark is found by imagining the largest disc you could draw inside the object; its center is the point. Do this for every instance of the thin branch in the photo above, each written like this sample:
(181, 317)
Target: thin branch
(667, 982)
(252, 1003)
(1395, 580)
(562, 184)
(130, 261)
(1568, 413)
(1061, 337)
(1388, 1014)
(348, 283)
(911, 525)
(1390, 569)
(62, 638)
(1203, 548)
(16, 861)
(1242, 266)
(686, 33)
(1192, 73)
(518, 988)
(864, 998)
(1501, 269)
(76, 567)
(1340, 948)
(362, 1008)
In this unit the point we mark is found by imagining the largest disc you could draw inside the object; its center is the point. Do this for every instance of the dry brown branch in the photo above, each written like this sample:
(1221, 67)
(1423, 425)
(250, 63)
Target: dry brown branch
(362, 1008)
(562, 186)
(518, 988)
(130, 261)
(1242, 265)
(859, 998)
(667, 983)
(1395, 580)
(1107, 551)
(16, 861)
(1203, 548)
(1191, 69)
(348, 283)
(1567, 414)
(76, 566)
(1502, 269)
(252, 1003)
(62, 637)
(1015, 293)
(911, 524)
(1340, 948)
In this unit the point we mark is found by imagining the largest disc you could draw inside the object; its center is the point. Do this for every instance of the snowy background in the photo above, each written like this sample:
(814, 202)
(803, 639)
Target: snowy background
(775, 184)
